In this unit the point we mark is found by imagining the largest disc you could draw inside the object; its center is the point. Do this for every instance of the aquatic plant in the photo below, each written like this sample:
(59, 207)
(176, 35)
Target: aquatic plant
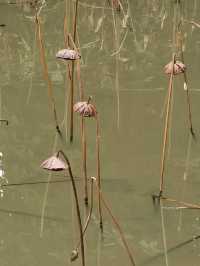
(176, 68)
(86, 109)
(74, 254)
(45, 70)
(166, 131)
(68, 54)
(75, 19)
(55, 163)
(173, 68)
(114, 220)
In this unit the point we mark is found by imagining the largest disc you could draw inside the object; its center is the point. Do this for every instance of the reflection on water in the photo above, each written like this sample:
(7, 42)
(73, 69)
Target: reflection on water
(122, 59)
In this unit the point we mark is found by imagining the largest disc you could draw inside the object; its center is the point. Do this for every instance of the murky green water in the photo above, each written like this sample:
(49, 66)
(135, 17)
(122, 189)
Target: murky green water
(124, 74)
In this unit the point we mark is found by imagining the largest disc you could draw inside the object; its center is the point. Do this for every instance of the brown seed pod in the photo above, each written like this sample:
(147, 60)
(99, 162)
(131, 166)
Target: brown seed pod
(68, 54)
(54, 163)
(85, 109)
(179, 68)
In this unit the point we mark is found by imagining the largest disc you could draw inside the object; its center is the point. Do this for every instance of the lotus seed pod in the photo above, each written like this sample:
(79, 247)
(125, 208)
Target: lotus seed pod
(54, 163)
(68, 54)
(85, 109)
(179, 68)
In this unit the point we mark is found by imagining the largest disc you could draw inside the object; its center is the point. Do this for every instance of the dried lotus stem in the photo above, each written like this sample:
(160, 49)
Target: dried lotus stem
(74, 254)
(45, 71)
(165, 137)
(98, 171)
(115, 222)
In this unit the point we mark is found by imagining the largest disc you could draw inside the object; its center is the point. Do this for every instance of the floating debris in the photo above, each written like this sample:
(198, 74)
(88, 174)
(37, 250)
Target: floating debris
(179, 68)
(74, 255)
(54, 163)
(68, 54)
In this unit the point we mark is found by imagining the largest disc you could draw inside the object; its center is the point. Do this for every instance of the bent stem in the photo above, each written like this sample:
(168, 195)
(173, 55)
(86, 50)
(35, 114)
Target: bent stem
(45, 71)
(115, 222)
(98, 171)
(77, 205)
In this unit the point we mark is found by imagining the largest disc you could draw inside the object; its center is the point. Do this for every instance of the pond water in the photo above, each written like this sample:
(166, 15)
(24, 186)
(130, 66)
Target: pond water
(122, 60)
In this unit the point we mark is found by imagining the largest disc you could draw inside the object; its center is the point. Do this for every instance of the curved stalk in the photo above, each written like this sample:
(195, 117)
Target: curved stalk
(77, 205)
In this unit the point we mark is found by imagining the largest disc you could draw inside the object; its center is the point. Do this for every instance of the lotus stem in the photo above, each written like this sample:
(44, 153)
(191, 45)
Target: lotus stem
(166, 129)
(72, 76)
(188, 96)
(75, 251)
(45, 71)
(84, 160)
(98, 171)
(77, 206)
(107, 207)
